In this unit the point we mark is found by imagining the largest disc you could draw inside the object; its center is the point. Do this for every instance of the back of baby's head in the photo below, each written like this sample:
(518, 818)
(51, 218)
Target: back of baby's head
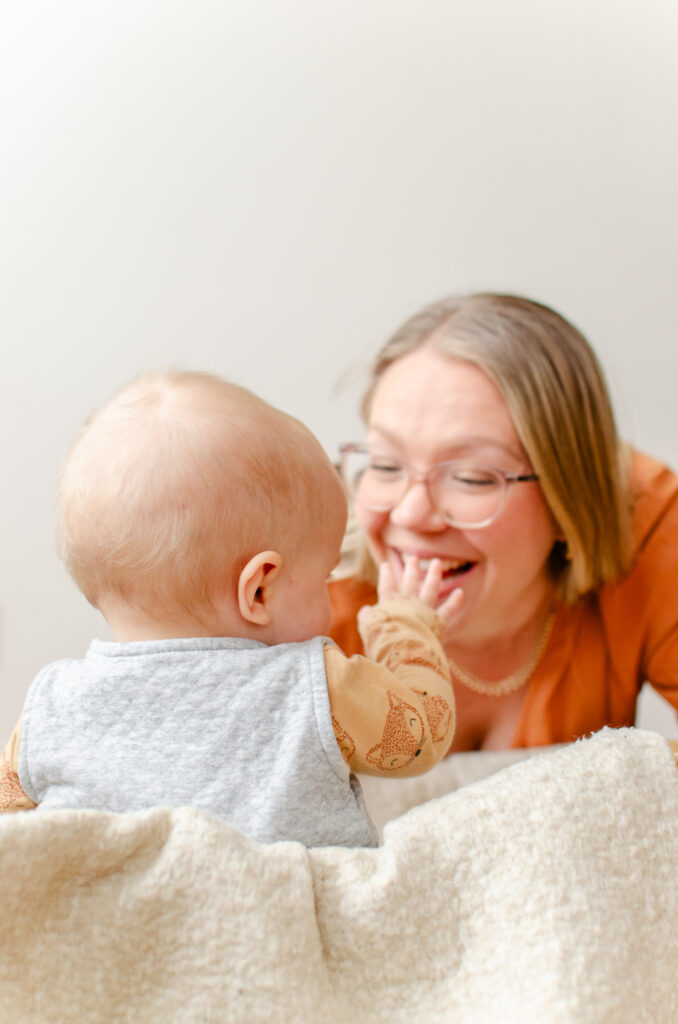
(176, 482)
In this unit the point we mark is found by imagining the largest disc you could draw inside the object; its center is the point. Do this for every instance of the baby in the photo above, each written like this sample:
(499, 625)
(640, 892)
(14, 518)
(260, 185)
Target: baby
(204, 524)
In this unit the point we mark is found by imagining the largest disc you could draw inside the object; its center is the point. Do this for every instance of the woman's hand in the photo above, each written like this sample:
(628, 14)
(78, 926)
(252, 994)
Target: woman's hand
(424, 590)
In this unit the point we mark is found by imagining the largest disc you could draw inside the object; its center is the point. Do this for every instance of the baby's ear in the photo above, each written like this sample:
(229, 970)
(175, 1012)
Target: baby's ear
(254, 587)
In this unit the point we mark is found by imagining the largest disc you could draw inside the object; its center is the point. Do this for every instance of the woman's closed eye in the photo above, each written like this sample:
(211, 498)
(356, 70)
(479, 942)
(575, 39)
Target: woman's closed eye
(385, 467)
(473, 479)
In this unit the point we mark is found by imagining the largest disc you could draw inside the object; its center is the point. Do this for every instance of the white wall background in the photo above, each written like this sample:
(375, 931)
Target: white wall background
(265, 188)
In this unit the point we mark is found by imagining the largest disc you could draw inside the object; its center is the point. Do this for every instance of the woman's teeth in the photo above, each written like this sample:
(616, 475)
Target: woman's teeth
(451, 566)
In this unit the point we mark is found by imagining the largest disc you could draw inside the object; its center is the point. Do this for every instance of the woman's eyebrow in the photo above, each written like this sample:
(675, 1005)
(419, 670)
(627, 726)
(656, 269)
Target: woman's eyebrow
(461, 444)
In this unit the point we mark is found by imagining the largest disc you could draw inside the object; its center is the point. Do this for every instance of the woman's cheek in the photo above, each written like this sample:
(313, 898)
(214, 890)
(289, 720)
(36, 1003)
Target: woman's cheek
(373, 525)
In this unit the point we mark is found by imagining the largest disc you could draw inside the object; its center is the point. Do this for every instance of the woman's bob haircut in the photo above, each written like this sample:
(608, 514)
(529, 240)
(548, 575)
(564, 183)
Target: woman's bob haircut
(557, 396)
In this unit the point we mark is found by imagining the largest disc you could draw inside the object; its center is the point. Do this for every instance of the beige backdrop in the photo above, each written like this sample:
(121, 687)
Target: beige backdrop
(265, 188)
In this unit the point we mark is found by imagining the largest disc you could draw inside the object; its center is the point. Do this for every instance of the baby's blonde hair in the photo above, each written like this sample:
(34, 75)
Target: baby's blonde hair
(176, 482)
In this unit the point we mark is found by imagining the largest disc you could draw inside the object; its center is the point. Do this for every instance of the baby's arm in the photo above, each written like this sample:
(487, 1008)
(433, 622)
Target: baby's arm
(12, 796)
(393, 710)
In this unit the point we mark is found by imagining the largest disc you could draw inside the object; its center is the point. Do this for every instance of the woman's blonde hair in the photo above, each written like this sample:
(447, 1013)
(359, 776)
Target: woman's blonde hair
(176, 482)
(557, 396)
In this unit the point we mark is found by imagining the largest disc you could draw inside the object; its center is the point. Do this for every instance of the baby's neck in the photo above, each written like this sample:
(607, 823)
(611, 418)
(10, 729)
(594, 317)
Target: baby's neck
(158, 631)
(129, 624)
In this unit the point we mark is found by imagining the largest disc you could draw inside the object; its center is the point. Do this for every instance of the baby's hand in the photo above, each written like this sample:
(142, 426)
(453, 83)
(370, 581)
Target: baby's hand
(425, 590)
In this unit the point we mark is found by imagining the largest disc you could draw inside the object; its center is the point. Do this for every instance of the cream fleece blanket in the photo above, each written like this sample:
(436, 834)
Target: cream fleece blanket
(546, 893)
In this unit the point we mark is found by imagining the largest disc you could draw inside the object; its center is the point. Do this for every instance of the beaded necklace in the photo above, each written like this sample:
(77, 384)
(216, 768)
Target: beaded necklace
(513, 682)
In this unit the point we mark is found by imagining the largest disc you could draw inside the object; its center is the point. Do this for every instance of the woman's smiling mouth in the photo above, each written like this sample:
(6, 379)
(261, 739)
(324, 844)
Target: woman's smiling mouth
(453, 568)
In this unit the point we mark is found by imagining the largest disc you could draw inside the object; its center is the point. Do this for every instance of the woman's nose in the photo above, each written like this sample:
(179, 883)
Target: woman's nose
(416, 511)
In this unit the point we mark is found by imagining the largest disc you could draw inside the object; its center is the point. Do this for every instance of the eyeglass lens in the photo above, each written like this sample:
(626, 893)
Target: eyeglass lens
(461, 491)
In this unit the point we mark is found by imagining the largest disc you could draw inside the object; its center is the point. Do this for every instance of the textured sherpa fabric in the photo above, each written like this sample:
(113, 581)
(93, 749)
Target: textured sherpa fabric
(545, 893)
(389, 798)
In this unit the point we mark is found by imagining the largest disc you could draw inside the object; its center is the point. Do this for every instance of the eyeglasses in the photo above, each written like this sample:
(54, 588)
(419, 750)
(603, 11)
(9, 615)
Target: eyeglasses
(466, 494)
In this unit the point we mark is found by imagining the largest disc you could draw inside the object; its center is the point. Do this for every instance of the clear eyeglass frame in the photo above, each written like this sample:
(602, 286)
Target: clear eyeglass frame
(351, 452)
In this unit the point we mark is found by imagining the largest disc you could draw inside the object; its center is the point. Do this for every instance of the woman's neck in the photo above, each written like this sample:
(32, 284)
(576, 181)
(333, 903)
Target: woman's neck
(493, 656)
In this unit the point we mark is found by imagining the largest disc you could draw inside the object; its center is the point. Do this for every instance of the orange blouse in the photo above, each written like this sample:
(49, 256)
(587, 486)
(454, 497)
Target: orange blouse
(605, 647)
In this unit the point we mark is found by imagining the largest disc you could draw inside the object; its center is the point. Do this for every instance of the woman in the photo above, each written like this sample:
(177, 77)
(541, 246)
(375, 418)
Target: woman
(491, 444)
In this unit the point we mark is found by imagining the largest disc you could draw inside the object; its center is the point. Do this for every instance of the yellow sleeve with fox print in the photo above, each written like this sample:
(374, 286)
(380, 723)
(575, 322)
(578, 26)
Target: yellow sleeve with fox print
(393, 709)
(12, 796)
